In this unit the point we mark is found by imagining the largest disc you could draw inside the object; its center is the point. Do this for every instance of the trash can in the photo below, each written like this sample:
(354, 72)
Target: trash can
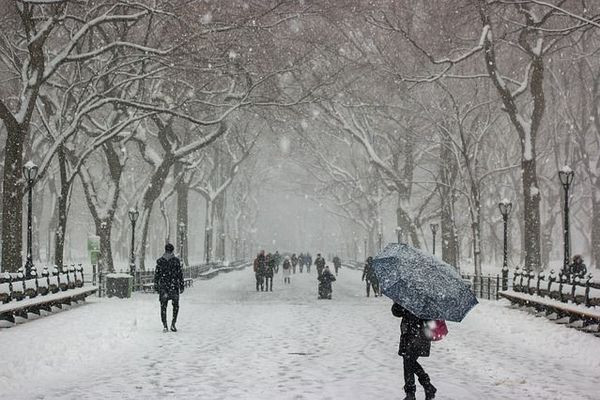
(119, 285)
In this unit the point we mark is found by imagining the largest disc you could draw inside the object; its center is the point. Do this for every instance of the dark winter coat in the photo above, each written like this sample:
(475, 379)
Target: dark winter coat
(326, 278)
(320, 264)
(413, 341)
(286, 264)
(260, 265)
(577, 269)
(337, 262)
(168, 276)
(369, 273)
(270, 268)
(294, 260)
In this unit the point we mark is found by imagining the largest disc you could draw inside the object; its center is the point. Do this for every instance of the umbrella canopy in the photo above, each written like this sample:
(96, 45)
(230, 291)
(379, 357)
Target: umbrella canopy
(427, 287)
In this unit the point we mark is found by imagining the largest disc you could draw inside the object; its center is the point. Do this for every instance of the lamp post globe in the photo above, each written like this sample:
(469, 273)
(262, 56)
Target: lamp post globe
(30, 170)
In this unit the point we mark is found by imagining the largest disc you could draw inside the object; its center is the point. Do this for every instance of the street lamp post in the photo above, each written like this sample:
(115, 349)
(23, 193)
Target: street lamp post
(133, 216)
(365, 247)
(380, 240)
(566, 176)
(505, 207)
(30, 171)
(399, 234)
(434, 229)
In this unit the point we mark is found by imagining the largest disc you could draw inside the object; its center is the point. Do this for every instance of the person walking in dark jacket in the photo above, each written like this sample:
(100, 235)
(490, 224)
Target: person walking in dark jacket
(413, 344)
(294, 263)
(269, 271)
(259, 270)
(287, 270)
(168, 282)
(370, 277)
(301, 260)
(320, 264)
(325, 278)
(308, 262)
(337, 263)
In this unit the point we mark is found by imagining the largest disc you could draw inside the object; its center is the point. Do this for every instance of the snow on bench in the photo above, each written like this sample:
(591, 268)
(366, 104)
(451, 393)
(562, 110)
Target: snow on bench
(20, 297)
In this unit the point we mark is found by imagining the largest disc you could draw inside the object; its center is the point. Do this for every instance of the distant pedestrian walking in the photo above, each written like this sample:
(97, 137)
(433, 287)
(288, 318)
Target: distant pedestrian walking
(337, 263)
(413, 344)
(269, 271)
(287, 270)
(320, 264)
(325, 279)
(301, 261)
(294, 262)
(259, 270)
(370, 277)
(168, 282)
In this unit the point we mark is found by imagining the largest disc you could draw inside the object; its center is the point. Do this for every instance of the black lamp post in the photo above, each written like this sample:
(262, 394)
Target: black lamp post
(434, 230)
(30, 171)
(505, 207)
(399, 234)
(133, 216)
(380, 240)
(566, 176)
(365, 247)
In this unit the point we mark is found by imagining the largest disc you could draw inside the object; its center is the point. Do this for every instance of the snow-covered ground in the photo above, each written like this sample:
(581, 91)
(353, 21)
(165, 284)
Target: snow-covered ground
(235, 343)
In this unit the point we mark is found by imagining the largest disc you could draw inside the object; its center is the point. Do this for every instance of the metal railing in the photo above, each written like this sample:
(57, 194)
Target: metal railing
(144, 279)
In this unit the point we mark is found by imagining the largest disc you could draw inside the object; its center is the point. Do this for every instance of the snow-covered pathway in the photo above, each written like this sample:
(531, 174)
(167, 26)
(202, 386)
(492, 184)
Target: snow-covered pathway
(235, 343)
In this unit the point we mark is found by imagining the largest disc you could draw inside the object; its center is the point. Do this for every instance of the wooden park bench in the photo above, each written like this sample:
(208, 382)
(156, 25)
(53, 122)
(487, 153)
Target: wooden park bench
(575, 302)
(20, 297)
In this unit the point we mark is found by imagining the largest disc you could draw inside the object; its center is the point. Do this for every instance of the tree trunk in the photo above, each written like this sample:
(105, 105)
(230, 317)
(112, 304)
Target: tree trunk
(182, 217)
(596, 228)
(62, 210)
(104, 230)
(447, 198)
(12, 200)
(208, 230)
(156, 185)
(531, 211)
(219, 223)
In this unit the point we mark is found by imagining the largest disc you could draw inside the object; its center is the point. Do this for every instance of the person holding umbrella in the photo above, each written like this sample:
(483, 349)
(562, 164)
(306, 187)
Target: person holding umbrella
(426, 292)
(413, 344)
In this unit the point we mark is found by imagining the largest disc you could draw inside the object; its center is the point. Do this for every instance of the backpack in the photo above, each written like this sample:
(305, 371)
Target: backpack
(436, 330)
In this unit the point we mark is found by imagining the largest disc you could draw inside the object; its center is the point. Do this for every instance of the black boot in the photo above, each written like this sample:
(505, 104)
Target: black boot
(165, 328)
(173, 328)
(410, 396)
(430, 392)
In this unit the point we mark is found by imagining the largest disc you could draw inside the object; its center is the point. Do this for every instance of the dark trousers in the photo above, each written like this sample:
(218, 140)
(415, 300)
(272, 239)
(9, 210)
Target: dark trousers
(375, 286)
(267, 279)
(412, 368)
(164, 301)
(259, 283)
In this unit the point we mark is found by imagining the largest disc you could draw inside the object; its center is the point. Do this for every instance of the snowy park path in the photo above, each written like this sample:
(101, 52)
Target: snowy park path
(235, 343)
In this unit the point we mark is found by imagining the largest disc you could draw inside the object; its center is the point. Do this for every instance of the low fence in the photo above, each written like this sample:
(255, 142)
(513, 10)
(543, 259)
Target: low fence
(483, 286)
(197, 271)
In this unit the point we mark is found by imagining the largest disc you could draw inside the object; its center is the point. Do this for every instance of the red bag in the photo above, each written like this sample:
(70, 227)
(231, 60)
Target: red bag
(436, 330)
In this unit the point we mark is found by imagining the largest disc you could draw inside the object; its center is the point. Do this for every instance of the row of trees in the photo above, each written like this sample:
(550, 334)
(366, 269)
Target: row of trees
(133, 103)
(432, 112)
(445, 109)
